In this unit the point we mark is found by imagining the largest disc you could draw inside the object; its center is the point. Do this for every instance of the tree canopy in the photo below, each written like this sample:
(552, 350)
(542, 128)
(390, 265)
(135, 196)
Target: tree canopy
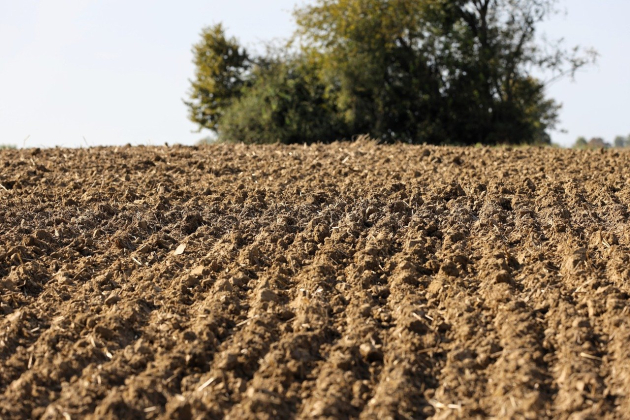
(434, 71)
(221, 67)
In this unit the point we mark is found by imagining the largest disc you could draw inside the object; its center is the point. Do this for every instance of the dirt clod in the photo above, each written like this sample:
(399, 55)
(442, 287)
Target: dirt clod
(370, 352)
(267, 295)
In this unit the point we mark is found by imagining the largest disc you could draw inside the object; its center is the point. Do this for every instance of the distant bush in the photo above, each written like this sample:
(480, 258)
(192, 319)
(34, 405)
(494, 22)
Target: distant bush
(600, 143)
(6, 146)
(621, 141)
(580, 143)
(286, 104)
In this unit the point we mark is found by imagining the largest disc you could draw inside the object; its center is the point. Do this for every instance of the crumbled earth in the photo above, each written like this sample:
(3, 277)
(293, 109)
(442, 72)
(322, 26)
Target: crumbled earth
(349, 280)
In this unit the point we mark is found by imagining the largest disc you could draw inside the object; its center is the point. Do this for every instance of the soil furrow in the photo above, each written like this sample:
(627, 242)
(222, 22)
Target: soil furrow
(350, 280)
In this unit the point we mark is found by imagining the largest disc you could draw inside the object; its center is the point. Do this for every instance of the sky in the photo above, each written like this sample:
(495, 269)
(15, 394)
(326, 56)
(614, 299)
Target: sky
(83, 73)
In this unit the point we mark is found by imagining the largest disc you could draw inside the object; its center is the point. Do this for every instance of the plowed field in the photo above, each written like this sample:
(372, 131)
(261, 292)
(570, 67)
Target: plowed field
(331, 281)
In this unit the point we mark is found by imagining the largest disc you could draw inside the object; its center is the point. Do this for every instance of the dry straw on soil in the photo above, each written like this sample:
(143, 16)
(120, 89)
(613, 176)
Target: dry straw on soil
(340, 281)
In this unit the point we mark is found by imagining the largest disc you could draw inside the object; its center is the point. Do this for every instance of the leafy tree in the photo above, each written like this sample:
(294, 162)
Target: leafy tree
(454, 71)
(221, 68)
(580, 143)
(620, 141)
(367, 56)
(285, 103)
(436, 71)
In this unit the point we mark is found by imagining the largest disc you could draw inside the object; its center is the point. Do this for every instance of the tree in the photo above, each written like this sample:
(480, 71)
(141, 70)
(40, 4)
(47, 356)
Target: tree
(375, 74)
(274, 98)
(221, 68)
(580, 143)
(438, 70)
(598, 143)
(285, 103)
(435, 71)
(620, 141)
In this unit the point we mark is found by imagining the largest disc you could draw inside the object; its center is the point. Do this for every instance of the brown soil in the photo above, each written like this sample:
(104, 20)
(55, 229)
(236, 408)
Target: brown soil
(340, 281)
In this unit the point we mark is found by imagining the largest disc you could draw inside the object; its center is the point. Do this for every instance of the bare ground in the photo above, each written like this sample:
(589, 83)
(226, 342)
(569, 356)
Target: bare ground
(339, 281)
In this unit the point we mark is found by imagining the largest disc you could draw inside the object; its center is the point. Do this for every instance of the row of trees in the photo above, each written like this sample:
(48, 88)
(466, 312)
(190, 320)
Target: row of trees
(598, 143)
(434, 71)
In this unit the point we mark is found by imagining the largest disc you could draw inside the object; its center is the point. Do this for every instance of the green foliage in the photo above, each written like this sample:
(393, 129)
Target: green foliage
(580, 143)
(435, 71)
(365, 52)
(621, 141)
(7, 146)
(221, 70)
(285, 103)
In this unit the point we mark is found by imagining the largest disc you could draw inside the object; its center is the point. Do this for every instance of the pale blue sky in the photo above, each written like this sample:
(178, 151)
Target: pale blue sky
(116, 71)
